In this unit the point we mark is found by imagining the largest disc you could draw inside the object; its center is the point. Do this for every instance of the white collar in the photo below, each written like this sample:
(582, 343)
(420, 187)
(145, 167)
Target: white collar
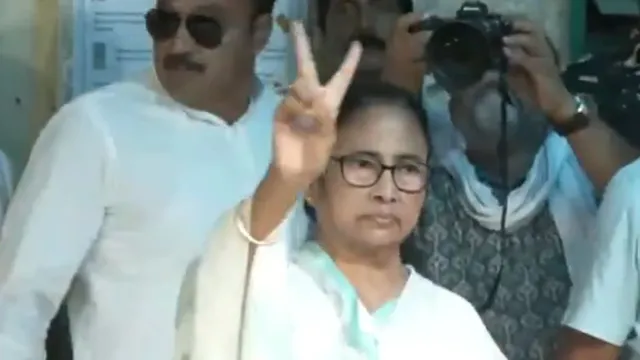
(163, 98)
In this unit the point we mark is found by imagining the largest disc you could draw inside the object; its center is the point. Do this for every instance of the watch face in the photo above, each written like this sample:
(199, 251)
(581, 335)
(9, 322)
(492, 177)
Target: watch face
(580, 119)
(586, 103)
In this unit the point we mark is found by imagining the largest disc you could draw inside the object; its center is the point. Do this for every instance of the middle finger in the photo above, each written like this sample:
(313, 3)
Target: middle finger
(304, 58)
(525, 41)
(419, 43)
(521, 24)
(303, 92)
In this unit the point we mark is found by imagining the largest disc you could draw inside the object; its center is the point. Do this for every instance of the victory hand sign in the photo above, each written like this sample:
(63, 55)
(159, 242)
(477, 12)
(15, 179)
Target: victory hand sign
(303, 135)
(305, 121)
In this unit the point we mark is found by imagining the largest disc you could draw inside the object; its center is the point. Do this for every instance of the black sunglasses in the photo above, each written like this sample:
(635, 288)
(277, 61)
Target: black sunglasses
(163, 25)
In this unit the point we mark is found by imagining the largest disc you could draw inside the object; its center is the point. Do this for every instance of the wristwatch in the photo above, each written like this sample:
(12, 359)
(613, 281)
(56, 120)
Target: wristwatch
(580, 118)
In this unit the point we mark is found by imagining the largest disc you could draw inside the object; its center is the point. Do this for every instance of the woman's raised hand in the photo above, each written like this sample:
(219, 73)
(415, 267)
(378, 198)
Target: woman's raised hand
(305, 121)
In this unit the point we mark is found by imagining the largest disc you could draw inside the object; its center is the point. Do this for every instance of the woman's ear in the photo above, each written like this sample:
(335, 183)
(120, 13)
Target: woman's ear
(262, 27)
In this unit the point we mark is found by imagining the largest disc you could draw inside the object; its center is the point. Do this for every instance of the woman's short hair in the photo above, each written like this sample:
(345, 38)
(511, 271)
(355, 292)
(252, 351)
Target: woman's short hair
(366, 94)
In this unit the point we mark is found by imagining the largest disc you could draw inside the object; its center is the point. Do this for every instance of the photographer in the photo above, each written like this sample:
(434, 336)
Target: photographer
(523, 278)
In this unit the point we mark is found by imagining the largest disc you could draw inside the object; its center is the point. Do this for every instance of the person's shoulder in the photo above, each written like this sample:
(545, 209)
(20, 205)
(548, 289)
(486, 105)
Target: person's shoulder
(111, 98)
(136, 91)
(617, 227)
(623, 189)
(103, 107)
(629, 174)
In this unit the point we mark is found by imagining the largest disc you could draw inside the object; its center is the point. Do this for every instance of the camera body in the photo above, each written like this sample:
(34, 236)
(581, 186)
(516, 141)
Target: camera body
(462, 49)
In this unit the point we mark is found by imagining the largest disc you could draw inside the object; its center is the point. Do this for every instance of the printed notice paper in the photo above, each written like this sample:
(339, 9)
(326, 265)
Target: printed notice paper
(110, 42)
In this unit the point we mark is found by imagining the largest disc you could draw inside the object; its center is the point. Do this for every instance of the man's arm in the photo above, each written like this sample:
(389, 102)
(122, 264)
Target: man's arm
(52, 221)
(604, 302)
(599, 149)
(576, 345)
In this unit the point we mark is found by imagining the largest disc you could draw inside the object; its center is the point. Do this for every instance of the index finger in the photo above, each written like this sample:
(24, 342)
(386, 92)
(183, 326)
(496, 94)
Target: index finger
(520, 24)
(406, 20)
(304, 58)
(537, 42)
(337, 87)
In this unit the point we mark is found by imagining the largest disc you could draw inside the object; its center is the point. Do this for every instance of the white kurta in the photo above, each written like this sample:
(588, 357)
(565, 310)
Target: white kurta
(291, 315)
(604, 304)
(120, 194)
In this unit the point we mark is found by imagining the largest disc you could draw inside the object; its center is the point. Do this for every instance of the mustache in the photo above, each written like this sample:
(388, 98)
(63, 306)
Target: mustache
(369, 41)
(182, 62)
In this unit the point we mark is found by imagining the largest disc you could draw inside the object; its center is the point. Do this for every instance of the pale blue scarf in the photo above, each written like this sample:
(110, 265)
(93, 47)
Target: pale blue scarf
(319, 265)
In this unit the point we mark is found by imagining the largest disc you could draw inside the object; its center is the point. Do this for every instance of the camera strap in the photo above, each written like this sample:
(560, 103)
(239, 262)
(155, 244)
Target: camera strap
(503, 157)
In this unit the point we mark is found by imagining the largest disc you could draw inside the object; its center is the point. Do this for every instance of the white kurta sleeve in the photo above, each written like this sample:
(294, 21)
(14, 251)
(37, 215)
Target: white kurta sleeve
(212, 296)
(605, 303)
(52, 221)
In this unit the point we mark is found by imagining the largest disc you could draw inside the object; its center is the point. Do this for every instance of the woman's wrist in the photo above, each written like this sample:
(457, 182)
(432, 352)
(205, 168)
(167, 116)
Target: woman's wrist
(273, 199)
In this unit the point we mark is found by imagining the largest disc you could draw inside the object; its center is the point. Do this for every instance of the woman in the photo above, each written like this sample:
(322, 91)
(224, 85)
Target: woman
(344, 293)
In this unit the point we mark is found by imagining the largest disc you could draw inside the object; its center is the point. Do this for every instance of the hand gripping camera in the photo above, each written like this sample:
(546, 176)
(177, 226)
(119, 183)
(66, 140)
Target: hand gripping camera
(463, 48)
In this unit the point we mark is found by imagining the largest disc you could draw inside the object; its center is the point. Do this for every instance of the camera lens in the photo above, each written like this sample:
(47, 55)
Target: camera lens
(459, 54)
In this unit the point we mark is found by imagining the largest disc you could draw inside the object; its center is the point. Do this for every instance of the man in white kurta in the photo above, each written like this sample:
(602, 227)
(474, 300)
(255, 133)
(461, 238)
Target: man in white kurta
(123, 188)
(118, 198)
(291, 312)
(604, 304)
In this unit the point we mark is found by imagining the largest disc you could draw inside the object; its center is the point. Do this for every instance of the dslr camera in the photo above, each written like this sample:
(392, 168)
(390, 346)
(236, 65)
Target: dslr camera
(462, 49)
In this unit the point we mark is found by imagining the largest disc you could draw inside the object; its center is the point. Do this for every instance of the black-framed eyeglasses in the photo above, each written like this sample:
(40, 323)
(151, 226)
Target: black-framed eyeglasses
(363, 171)
(163, 25)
